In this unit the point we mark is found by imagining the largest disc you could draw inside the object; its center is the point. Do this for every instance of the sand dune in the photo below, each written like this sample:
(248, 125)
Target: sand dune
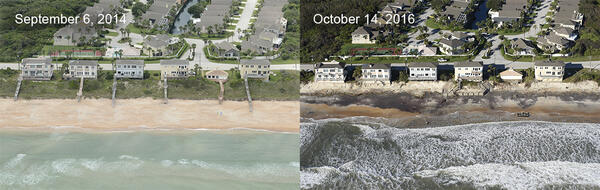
(137, 113)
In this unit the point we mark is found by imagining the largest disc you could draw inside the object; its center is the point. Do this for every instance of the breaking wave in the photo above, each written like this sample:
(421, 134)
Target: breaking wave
(348, 153)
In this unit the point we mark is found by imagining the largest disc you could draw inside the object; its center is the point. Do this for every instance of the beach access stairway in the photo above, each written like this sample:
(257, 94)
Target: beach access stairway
(114, 90)
(248, 93)
(80, 92)
(19, 82)
(165, 87)
(222, 92)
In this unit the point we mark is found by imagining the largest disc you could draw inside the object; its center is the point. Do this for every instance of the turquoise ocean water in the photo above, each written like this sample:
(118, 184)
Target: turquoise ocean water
(186, 159)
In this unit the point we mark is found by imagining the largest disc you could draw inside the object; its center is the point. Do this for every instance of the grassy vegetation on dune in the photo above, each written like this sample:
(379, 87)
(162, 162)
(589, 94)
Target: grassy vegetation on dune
(284, 85)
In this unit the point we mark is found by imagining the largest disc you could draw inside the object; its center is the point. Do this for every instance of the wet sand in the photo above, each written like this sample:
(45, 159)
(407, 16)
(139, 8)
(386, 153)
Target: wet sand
(406, 111)
(134, 114)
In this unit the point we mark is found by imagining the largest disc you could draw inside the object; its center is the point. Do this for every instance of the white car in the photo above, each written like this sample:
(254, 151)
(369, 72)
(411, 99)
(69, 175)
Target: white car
(442, 60)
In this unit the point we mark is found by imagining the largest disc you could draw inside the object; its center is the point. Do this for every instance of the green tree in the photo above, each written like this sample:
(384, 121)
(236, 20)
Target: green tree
(357, 74)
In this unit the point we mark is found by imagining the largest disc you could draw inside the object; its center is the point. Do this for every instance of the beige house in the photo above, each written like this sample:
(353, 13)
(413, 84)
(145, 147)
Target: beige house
(82, 68)
(174, 68)
(549, 71)
(376, 73)
(37, 69)
(217, 75)
(332, 71)
(255, 68)
(470, 71)
(511, 76)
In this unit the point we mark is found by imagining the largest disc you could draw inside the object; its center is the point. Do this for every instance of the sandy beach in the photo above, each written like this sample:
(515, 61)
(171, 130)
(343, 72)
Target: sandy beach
(405, 111)
(130, 114)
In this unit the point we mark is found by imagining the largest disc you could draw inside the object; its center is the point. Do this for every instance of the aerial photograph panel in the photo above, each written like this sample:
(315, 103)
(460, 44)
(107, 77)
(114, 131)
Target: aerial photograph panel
(149, 94)
(450, 94)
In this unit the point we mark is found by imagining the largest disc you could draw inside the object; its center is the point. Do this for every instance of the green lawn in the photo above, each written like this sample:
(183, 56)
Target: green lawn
(280, 61)
(114, 34)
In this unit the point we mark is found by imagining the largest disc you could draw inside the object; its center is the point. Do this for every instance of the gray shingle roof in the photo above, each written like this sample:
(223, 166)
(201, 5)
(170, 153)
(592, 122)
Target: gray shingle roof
(550, 63)
(129, 62)
(84, 62)
(255, 62)
(376, 66)
(469, 64)
(422, 64)
(37, 60)
(174, 62)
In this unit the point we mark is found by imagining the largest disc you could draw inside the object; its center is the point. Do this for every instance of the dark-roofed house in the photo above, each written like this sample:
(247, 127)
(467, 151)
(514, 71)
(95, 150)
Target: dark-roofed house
(129, 69)
(376, 73)
(511, 12)
(74, 34)
(37, 68)
(363, 35)
(566, 33)
(522, 47)
(456, 11)
(332, 71)
(549, 71)
(226, 49)
(255, 68)
(270, 27)
(422, 71)
(213, 15)
(470, 71)
(174, 68)
(553, 42)
(82, 68)
(158, 13)
(157, 45)
(452, 47)
(568, 14)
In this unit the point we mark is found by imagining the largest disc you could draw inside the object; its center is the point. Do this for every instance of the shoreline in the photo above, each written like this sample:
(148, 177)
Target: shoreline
(149, 114)
(407, 111)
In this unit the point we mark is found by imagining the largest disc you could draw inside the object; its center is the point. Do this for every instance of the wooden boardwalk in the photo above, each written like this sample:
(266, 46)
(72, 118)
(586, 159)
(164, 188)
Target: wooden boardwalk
(80, 93)
(248, 93)
(19, 82)
(114, 90)
(222, 92)
(165, 87)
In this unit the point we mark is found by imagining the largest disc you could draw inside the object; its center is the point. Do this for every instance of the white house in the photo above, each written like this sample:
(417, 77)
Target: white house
(332, 71)
(37, 69)
(470, 71)
(422, 71)
(129, 69)
(83, 68)
(376, 72)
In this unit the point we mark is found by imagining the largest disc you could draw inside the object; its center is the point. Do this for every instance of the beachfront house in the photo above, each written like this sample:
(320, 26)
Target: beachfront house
(217, 75)
(511, 76)
(363, 35)
(376, 73)
(174, 68)
(470, 71)
(332, 71)
(422, 71)
(255, 68)
(82, 68)
(37, 68)
(549, 71)
(133, 69)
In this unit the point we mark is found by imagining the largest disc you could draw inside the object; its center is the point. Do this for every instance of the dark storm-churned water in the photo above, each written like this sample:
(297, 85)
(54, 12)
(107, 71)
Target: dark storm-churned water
(355, 154)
